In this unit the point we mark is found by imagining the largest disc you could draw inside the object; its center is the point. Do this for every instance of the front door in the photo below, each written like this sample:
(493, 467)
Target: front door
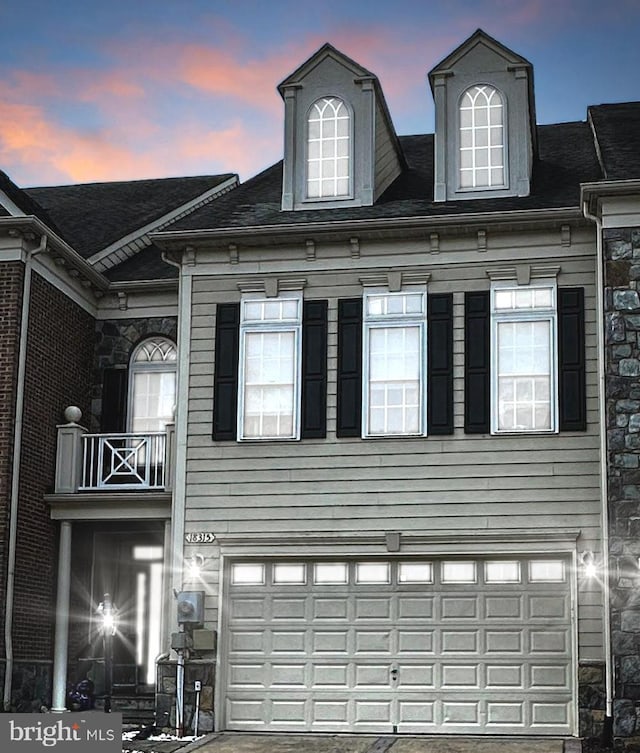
(128, 567)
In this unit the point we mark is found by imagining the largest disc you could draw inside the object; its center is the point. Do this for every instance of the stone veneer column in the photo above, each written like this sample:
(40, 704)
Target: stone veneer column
(622, 363)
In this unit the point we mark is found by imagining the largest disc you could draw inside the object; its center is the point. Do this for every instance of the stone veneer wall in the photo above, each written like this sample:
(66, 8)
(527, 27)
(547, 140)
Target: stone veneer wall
(115, 340)
(195, 669)
(622, 324)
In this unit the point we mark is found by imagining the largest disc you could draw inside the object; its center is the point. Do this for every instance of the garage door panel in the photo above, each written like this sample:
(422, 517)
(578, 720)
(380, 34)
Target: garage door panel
(373, 642)
(330, 609)
(501, 676)
(459, 607)
(501, 607)
(288, 641)
(460, 713)
(331, 676)
(504, 641)
(416, 714)
(247, 641)
(431, 656)
(415, 607)
(288, 609)
(459, 641)
(550, 641)
(414, 676)
(330, 641)
(547, 607)
(415, 641)
(505, 713)
(373, 609)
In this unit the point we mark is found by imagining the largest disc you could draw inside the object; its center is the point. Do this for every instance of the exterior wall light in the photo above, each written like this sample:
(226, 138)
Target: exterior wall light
(194, 566)
(589, 567)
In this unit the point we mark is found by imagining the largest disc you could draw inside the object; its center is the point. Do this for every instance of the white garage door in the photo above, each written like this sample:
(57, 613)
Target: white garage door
(462, 645)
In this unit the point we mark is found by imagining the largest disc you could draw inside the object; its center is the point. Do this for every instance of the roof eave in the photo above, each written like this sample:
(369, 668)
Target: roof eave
(181, 239)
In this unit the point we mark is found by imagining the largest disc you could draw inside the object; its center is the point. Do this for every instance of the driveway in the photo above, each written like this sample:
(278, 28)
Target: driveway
(227, 742)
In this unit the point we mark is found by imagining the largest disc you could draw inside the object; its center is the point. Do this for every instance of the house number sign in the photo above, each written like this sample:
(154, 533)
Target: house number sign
(200, 537)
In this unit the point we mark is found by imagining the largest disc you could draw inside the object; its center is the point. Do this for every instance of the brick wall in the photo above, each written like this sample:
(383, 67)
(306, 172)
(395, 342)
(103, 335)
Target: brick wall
(59, 361)
(11, 281)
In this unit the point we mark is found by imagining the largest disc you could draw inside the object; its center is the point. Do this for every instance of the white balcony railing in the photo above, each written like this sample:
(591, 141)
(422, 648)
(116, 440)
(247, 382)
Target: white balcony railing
(123, 461)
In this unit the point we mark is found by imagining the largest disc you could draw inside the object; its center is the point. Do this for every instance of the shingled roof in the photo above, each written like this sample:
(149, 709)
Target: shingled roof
(617, 129)
(91, 216)
(567, 157)
(147, 264)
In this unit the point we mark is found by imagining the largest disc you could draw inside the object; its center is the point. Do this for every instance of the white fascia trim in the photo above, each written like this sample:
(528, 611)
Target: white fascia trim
(10, 206)
(101, 260)
(71, 290)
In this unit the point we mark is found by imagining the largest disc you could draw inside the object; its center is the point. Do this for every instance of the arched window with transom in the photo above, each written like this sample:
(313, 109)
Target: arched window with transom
(328, 149)
(152, 385)
(482, 138)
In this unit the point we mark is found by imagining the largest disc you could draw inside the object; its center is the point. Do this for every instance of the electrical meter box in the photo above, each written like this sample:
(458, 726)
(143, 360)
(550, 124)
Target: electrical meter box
(191, 608)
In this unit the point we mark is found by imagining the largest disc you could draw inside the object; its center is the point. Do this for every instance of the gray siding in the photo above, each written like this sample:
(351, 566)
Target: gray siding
(462, 485)
(387, 165)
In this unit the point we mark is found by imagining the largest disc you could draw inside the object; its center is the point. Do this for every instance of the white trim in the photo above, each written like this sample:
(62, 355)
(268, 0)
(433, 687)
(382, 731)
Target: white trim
(399, 321)
(271, 327)
(70, 289)
(11, 206)
(518, 316)
(126, 244)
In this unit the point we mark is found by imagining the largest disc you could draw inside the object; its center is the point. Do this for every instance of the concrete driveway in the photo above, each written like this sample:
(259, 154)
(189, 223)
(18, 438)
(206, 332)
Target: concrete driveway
(227, 742)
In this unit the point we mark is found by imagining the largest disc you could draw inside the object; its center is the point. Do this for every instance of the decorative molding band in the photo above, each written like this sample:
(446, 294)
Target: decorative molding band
(395, 280)
(522, 273)
(272, 286)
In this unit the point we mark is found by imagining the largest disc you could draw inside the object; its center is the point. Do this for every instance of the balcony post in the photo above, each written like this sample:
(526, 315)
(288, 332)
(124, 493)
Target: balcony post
(69, 452)
(170, 456)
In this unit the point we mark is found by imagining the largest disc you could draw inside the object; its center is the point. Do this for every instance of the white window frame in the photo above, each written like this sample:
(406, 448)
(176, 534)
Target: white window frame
(474, 148)
(265, 326)
(539, 314)
(166, 365)
(320, 160)
(371, 322)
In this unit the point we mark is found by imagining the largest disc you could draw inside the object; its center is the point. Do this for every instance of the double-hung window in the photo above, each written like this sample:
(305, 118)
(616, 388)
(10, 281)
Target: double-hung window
(394, 347)
(524, 358)
(270, 362)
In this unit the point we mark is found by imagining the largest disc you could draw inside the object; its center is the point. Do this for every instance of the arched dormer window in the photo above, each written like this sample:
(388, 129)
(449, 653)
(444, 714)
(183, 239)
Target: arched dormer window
(152, 387)
(328, 149)
(482, 138)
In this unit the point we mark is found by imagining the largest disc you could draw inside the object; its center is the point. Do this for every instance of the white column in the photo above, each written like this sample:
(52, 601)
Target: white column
(60, 654)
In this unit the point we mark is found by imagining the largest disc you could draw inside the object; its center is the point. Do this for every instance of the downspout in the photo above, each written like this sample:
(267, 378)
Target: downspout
(607, 732)
(15, 474)
(178, 502)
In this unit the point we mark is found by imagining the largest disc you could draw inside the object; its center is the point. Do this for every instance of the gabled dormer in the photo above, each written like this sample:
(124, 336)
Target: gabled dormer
(340, 147)
(485, 121)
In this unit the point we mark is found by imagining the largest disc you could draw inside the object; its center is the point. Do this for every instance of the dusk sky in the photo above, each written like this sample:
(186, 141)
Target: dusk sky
(125, 89)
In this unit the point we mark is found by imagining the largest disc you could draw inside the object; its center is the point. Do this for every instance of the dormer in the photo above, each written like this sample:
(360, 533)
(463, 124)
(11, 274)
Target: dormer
(340, 147)
(485, 139)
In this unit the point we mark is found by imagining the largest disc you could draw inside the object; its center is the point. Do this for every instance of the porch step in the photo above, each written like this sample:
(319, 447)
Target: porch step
(135, 709)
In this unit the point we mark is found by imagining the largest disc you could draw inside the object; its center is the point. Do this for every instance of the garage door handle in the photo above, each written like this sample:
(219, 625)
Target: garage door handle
(394, 674)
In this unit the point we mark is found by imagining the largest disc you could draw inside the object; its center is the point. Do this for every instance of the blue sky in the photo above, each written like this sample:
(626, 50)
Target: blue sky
(120, 90)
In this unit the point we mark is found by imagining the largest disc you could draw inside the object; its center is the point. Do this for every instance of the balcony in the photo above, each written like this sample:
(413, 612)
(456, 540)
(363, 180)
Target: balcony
(112, 462)
(123, 461)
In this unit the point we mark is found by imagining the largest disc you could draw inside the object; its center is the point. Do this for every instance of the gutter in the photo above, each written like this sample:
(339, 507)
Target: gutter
(607, 733)
(15, 471)
(386, 224)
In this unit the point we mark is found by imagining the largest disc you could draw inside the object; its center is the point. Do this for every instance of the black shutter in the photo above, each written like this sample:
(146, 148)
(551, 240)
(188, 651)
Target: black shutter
(314, 370)
(571, 356)
(349, 408)
(477, 360)
(225, 380)
(113, 419)
(440, 364)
